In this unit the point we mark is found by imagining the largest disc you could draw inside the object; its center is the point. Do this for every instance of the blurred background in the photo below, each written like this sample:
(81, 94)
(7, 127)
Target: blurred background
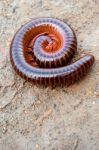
(38, 118)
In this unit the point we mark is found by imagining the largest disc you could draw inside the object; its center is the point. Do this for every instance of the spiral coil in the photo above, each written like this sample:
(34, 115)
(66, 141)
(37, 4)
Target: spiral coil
(41, 50)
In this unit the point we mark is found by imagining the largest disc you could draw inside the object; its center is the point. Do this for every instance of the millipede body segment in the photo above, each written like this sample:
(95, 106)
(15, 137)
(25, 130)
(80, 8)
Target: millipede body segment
(41, 50)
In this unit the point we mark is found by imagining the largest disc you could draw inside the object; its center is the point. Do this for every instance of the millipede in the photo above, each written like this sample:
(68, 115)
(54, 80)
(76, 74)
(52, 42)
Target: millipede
(41, 52)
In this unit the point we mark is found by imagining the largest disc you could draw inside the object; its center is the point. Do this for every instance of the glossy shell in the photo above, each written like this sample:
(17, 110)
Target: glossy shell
(41, 50)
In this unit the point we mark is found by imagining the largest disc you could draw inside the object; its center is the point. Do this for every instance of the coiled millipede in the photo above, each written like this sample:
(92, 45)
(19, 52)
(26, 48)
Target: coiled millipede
(41, 50)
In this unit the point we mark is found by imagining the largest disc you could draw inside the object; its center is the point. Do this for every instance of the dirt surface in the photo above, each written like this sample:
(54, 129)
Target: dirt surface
(38, 118)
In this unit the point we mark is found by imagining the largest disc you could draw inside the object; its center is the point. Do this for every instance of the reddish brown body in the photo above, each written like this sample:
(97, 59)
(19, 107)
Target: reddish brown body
(41, 50)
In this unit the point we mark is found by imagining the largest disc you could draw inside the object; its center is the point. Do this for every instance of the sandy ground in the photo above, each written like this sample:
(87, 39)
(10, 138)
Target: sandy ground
(37, 118)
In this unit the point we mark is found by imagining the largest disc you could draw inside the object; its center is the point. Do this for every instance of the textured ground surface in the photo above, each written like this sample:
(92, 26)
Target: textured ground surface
(36, 118)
